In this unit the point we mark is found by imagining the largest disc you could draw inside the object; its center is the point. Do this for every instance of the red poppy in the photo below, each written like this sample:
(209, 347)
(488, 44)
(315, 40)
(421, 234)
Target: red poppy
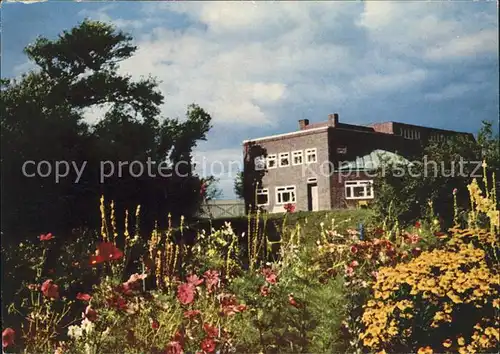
(83, 297)
(185, 293)
(211, 331)
(290, 208)
(208, 345)
(8, 336)
(173, 347)
(155, 324)
(417, 225)
(292, 301)
(46, 237)
(264, 290)
(211, 279)
(50, 290)
(194, 280)
(90, 314)
(354, 249)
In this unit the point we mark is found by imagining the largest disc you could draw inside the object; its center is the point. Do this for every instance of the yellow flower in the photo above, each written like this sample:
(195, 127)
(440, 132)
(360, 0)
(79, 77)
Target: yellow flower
(461, 341)
(447, 343)
(426, 350)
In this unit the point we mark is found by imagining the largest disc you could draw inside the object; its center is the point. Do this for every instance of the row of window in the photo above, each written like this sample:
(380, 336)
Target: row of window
(287, 194)
(410, 134)
(437, 137)
(285, 159)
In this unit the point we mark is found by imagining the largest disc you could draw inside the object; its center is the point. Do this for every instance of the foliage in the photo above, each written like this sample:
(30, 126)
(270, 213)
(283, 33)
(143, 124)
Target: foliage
(43, 119)
(404, 192)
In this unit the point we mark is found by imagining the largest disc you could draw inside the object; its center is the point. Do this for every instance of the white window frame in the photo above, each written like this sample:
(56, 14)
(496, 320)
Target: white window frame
(368, 187)
(272, 157)
(311, 152)
(286, 189)
(283, 155)
(262, 191)
(299, 154)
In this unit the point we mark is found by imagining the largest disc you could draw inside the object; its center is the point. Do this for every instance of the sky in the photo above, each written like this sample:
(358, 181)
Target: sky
(258, 67)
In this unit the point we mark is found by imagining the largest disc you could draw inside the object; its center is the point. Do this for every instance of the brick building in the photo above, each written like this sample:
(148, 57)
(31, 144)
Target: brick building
(331, 164)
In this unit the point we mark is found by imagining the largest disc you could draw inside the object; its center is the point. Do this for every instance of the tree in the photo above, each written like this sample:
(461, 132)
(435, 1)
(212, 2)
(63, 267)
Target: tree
(43, 120)
(403, 194)
(238, 185)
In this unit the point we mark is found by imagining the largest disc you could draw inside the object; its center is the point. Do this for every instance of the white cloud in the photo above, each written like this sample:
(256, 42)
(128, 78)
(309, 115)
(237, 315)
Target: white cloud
(471, 45)
(455, 91)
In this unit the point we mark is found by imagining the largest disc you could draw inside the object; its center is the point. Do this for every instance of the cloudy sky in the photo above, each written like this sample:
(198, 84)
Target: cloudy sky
(259, 67)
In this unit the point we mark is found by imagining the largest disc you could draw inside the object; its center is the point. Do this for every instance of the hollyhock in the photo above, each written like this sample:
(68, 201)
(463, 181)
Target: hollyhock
(46, 237)
(208, 345)
(211, 331)
(50, 290)
(133, 283)
(194, 280)
(83, 297)
(191, 313)
(264, 290)
(90, 314)
(185, 293)
(8, 337)
(211, 279)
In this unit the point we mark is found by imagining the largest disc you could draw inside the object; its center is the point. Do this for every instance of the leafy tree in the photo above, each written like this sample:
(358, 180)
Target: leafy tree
(43, 119)
(408, 193)
(238, 185)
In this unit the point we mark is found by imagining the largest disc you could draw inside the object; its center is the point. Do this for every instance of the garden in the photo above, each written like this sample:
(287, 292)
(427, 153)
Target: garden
(334, 289)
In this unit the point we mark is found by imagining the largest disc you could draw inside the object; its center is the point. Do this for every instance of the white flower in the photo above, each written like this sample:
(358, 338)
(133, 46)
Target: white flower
(87, 326)
(75, 332)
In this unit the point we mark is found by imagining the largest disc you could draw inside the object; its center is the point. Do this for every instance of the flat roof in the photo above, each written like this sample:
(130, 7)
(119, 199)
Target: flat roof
(298, 132)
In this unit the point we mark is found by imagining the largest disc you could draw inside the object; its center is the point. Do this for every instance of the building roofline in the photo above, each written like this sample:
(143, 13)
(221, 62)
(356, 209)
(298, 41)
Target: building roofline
(423, 126)
(299, 132)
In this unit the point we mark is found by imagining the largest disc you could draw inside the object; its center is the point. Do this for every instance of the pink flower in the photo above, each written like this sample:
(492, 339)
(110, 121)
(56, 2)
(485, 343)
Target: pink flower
(455, 191)
(270, 276)
(50, 290)
(354, 249)
(46, 237)
(211, 331)
(292, 301)
(208, 345)
(354, 264)
(106, 251)
(174, 347)
(211, 279)
(185, 293)
(194, 280)
(8, 337)
(374, 274)
(83, 297)
(264, 290)
(349, 271)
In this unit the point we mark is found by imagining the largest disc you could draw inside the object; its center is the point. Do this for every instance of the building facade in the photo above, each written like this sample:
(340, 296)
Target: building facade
(329, 165)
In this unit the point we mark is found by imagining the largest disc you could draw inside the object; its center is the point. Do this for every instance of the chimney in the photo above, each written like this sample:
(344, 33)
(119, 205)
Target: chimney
(333, 119)
(303, 123)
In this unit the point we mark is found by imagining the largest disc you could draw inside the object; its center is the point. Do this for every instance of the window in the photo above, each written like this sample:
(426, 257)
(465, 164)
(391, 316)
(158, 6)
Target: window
(263, 196)
(260, 163)
(297, 157)
(285, 195)
(411, 134)
(359, 189)
(284, 159)
(311, 156)
(271, 161)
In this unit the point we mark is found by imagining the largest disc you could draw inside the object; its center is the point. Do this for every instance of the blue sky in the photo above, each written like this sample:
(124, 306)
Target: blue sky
(259, 67)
